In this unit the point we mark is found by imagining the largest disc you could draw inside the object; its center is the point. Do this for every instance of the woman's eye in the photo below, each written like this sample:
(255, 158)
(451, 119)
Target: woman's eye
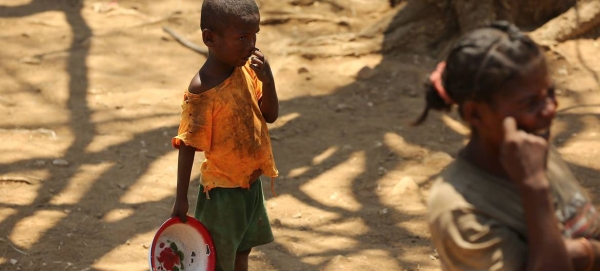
(552, 92)
(532, 102)
(242, 38)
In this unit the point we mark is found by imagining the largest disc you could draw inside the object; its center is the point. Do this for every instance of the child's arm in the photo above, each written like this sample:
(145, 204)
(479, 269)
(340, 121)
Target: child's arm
(269, 103)
(184, 171)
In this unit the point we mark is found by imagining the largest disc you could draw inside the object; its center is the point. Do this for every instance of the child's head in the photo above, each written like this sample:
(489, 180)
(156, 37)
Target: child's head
(492, 73)
(229, 29)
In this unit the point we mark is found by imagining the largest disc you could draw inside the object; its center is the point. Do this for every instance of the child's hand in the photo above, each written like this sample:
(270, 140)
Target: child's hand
(523, 156)
(260, 65)
(180, 209)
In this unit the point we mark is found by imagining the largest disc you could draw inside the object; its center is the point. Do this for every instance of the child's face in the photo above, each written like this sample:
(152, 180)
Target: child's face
(530, 101)
(235, 44)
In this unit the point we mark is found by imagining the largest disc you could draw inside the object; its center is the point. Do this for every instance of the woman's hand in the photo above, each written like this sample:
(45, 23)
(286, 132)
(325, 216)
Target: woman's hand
(523, 156)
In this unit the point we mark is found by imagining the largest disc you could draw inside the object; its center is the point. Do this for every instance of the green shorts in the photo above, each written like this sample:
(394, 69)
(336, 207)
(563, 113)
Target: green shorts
(236, 219)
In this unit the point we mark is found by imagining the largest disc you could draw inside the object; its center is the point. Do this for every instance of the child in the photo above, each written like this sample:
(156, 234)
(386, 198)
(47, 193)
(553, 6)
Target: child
(508, 202)
(225, 111)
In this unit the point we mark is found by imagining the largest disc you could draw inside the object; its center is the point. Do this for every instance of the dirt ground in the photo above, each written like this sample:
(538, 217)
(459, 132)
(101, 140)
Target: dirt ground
(90, 97)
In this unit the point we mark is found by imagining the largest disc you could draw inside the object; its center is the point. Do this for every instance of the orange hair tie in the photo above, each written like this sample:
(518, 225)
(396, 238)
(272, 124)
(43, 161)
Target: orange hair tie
(436, 80)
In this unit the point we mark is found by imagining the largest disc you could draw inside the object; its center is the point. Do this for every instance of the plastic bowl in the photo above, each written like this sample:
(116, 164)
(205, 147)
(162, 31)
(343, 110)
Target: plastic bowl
(179, 246)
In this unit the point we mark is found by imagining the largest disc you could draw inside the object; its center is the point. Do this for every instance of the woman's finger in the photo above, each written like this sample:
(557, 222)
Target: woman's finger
(510, 127)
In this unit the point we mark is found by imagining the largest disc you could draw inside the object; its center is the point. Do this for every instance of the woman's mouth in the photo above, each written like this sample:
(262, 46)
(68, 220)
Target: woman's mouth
(544, 133)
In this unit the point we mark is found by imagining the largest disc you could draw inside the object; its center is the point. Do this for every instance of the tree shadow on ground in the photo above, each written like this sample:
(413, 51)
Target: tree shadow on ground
(375, 133)
(87, 213)
(397, 105)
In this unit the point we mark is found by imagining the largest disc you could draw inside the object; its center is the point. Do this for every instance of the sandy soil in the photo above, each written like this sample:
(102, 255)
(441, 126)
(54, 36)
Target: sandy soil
(90, 97)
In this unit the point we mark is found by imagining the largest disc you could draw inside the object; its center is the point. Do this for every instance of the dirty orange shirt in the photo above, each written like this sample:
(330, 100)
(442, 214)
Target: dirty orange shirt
(226, 123)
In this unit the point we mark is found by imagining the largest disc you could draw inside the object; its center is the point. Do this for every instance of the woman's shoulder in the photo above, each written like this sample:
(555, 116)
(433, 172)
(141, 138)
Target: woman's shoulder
(447, 192)
(462, 185)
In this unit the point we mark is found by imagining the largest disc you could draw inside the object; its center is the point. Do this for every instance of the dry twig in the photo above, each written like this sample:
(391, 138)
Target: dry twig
(185, 42)
(12, 246)
(16, 179)
(304, 18)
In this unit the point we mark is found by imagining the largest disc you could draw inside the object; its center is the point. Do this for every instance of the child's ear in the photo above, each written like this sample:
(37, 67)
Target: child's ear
(208, 37)
(470, 111)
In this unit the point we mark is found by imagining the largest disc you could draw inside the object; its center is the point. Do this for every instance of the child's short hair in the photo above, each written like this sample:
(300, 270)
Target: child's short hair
(216, 14)
(482, 63)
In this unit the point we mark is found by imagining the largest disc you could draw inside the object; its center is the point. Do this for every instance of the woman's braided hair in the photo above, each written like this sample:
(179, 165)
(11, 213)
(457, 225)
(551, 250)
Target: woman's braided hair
(482, 63)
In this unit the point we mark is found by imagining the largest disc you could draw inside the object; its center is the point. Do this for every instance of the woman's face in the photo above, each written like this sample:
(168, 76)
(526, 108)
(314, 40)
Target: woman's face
(530, 100)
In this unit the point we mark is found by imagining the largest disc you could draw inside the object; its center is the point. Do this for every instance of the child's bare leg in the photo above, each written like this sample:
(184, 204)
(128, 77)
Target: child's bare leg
(241, 260)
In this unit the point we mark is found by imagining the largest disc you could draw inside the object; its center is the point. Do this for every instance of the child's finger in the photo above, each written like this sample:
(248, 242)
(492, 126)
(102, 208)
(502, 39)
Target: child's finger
(510, 126)
(259, 54)
(255, 67)
(256, 61)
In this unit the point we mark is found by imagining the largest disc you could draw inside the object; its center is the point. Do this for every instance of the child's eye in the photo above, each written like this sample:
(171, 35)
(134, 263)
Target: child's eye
(242, 38)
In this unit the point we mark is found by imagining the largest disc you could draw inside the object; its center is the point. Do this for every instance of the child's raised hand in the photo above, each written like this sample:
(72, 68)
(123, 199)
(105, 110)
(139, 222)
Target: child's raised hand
(260, 65)
(523, 156)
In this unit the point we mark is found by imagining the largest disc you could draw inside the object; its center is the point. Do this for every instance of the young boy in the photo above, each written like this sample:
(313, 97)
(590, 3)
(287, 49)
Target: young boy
(225, 111)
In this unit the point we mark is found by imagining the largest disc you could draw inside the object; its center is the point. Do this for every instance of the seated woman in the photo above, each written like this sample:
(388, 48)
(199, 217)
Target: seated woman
(508, 202)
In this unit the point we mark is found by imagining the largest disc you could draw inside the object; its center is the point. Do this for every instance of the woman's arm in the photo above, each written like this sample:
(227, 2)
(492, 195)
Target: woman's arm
(585, 256)
(524, 157)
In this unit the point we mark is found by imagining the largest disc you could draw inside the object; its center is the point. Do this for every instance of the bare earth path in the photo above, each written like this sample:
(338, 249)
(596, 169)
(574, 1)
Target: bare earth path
(89, 99)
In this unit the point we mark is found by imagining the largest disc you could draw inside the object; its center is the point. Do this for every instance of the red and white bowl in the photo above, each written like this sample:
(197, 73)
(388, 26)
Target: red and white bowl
(179, 246)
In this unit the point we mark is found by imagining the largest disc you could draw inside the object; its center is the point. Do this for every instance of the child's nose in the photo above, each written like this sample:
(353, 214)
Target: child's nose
(251, 44)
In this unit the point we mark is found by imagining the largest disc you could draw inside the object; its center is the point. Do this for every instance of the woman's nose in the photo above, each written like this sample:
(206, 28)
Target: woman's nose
(550, 106)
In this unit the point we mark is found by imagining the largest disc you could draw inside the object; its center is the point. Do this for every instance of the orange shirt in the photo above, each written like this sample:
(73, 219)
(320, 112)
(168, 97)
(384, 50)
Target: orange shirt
(226, 123)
